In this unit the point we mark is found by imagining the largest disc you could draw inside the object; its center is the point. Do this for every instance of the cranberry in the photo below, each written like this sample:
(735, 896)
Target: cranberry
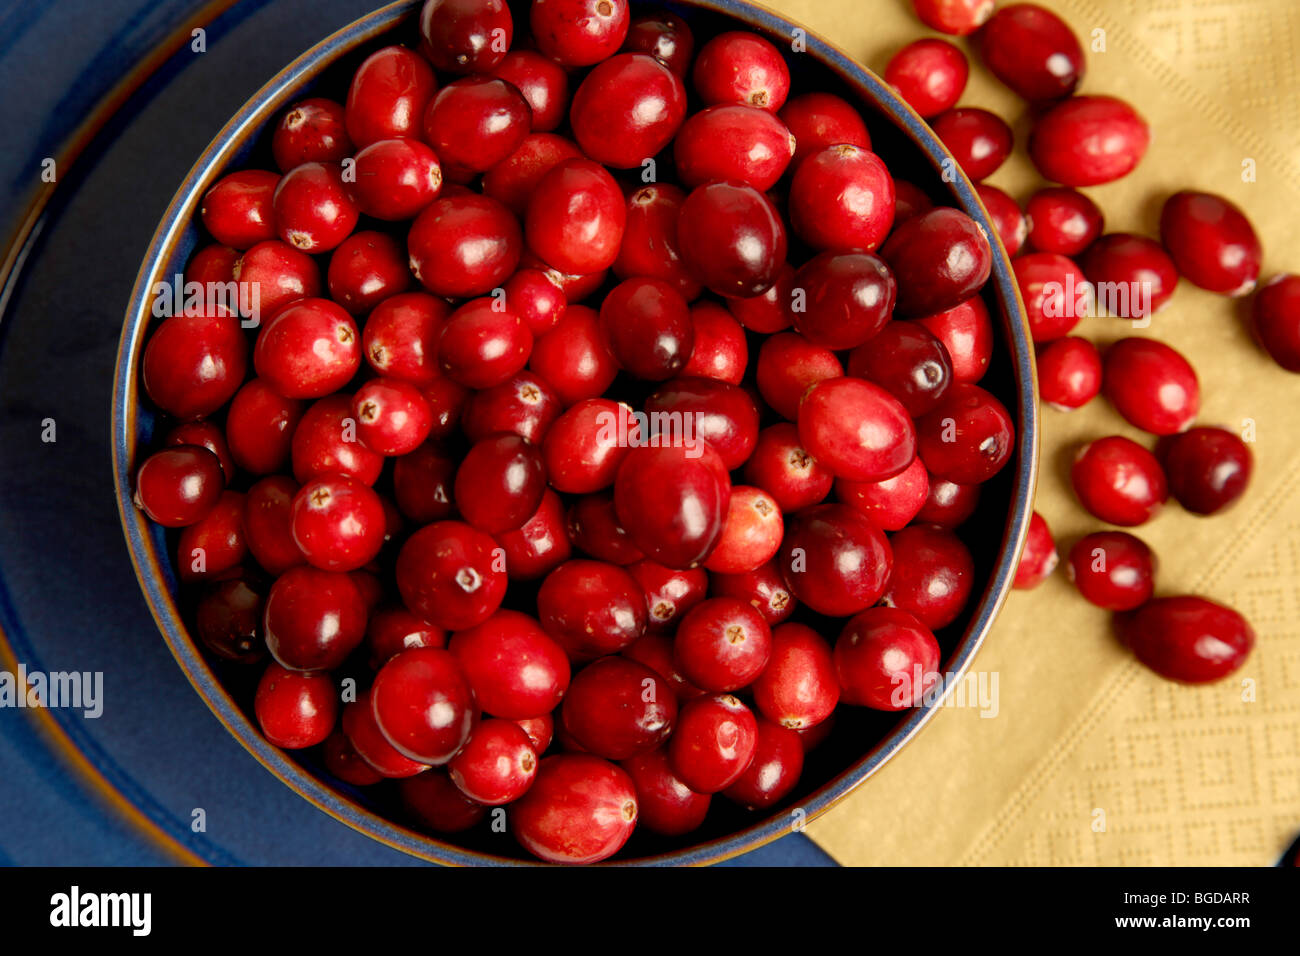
(774, 771)
(650, 240)
(576, 217)
(260, 426)
(890, 503)
(342, 760)
(979, 141)
(1118, 481)
(672, 499)
(1208, 469)
(280, 274)
(594, 529)
(1189, 639)
(574, 357)
(773, 310)
(483, 344)
(751, 535)
(212, 263)
(308, 350)
(669, 593)
(451, 575)
(587, 443)
(842, 199)
(798, 689)
(295, 710)
(313, 619)
(764, 588)
(940, 258)
(1063, 221)
(966, 331)
(372, 746)
(932, 576)
(1275, 316)
(1010, 222)
(785, 470)
(237, 209)
(464, 245)
(722, 644)
(738, 144)
(516, 669)
(525, 405)
(540, 544)
(499, 484)
(721, 351)
(205, 435)
(513, 181)
(857, 429)
(1151, 385)
(312, 131)
(179, 486)
(909, 362)
(648, 326)
(732, 239)
(591, 608)
(835, 560)
(820, 120)
(543, 83)
(193, 364)
(849, 298)
(1138, 269)
(886, 659)
(424, 705)
(1211, 242)
(666, 805)
(325, 442)
(741, 67)
(365, 269)
(666, 37)
(909, 200)
(954, 17)
(476, 122)
(1056, 293)
(627, 110)
(617, 708)
(655, 651)
(1088, 140)
(1033, 51)
(392, 416)
(388, 95)
(392, 630)
(268, 510)
(929, 74)
(968, 437)
(1113, 570)
(705, 410)
(1069, 373)
(714, 743)
(1039, 558)
(338, 523)
(540, 730)
(216, 542)
(788, 365)
(446, 401)
(948, 504)
(397, 178)
(497, 764)
(538, 301)
(400, 338)
(314, 208)
(422, 483)
(228, 620)
(580, 809)
(465, 36)
(579, 32)
(437, 803)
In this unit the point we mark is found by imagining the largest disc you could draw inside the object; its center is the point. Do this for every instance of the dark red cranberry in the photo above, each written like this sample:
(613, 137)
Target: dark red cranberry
(260, 426)
(338, 523)
(842, 199)
(980, 141)
(722, 644)
(785, 470)
(179, 486)
(1039, 558)
(516, 669)
(666, 805)
(446, 401)
(909, 362)
(587, 443)
(705, 410)
(228, 620)
(388, 95)
(370, 744)
(500, 483)
(212, 263)
(325, 442)
(655, 651)
(954, 17)
(627, 110)
(664, 36)
(1151, 385)
(733, 143)
(650, 240)
(437, 803)
(392, 630)
(513, 181)
(1056, 293)
(1033, 51)
(669, 593)
(574, 356)
(465, 36)
(1113, 570)
(215, 543)
(714, 743)
(721, 351)
(1211, 242)
(400, 338)
(966, 331)
(591, 608)
(193, 364)
(342, 760)
(857, 429)
(397, 178)
(932, 577)
(422, 483)
(295, 710)
(540, 544)
(1063, 221)
(909, 200)
(579, 32)
(1208, 469)
(312, 131)
(313, 619)
(891, 503)
(929, 74)
(741, 67)
(365, 269)
(580, 809)
(820, 120)
(543, 82)
(497, 764)
(1135, 277)
(617, 708)
(648, 326)
(886, 659)
(423, 704)
(1275, 316)
(476, 122)
(940, 258)
(770, 312)
(1009, 220)
(835, 560)
(764, 588)
(308, 350)
(314, 208)
(774, 770)
(237, 209)
(732, 239)
(280, 273)
(464, 245)
(483, 344)
(1189, 639)
(268, 514)
(205, 435)
(848, 299)
(1088, 140)
(576, 217)
(948, 504)
(1119, 481)
(967, 438)
(798, 689)
(594, 529)
(1069, 373)
(451, 575)
(751, 535)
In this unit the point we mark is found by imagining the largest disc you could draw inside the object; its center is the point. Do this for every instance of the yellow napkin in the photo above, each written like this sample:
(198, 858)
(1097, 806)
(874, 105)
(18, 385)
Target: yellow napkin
(1092, 759)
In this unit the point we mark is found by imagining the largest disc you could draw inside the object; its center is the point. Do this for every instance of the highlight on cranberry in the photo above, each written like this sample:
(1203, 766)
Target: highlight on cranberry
(610, 412)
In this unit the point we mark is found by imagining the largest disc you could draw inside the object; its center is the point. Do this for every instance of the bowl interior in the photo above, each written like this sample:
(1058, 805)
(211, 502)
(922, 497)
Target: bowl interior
(861, 739)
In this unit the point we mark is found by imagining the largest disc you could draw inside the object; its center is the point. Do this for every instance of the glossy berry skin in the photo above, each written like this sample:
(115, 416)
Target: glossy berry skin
(732, 239)
(216, 543)
(295, 710)
(280, 272)
(438, 804)
(714, 742)
(1063, 221)
(980, 141)
(543, 83)
(464, 245)
(772, 311)
(673, 501)
(212, 263)
(576, 217)
(513, 181)
(313, 619)
(1152, 385)
(774, 771)
(1113, 570)
(669, 593)
(909, 200)
(764, 588)
(1069, 373)
(179, 486)
(580, 809)
(363, 733)
(579, 32)
(891, 503)
(483, 345)
(649, 248)
(260, 426)
(788, 365)
(932, 576)
(842, 199)
(1188, 639)
(540, 731)
(476, 122)
(583, 450)
(500, 483)
(879, 656)
(392, 416)
(966, 331)
(424, 705)
(308, 350)
(929, 74)
(723, 416)
(497, 764)
(193, 364)
(968, 437)
(574, 357)
(1211, 242)
(627, 110)
(655, 650)
(397, 178)
(752, 533)
(849, 298)
(392, 630)
(366, 268)
(948, 504)
(268, 511)
(517, 670)
(388, 95)
(1009, 221)
(526, 406)
(782, 467)
(1039, 558)
(540, 544)
(311, 131)
(594, 529)
(323, 444)
(237, 209)
(1275, 317)
(721, 350)
(338, 523)
(722, 644)
(954, 17)
(666, 37)
(465, 36)
(1088, 141)
(538, 301)
(448, 574)
(739, 144)
(1056, 293)
(1208, 469)
(845, 560)
(798, 689)
(1119, 481)
(314, 208)
(617, 708)
(1127, 259)
(741, 67)
(819, 120)
(648, 326)
(591, 608)
(856, 429)
(666, 805)
(907, 360)
(940, 258)
(1033, 51)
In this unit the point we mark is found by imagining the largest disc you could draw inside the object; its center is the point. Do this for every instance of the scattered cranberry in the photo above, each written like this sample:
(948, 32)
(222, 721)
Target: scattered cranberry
(722, 644)
(835, 559)
(179, 486)
(649, 247)
(739, 144)
(772, 311)
(1137, 267)
(1088, 140)
(1062, 220)
(741, 67)
(260, 426)
(370, 744)
(940, 258)
(500, 483)
(714, 743)
(365, 269)
(228, 620)
(954, 17)
(948, 504)
(1151, 385)
(664, 36)
(538, 301)
(980, 141)
(280, 273)
(540, 544)
(669, 593)
(848, 299)
(483, 345)
(788, 365)
(295, 710)
(751, 535)
(774, 771)
(395, 629)
(268, 519)
(424, 705)
(516, 669)
(648, 326)
(1275, 314)
(666, 805)
(932, 577)
(476, 122)
(574, 357)
(1056, 293)
(579, 32)
(1188, 639)
(1033, 51)
(212, 263)
(1119, 481)
(886, 659)
(513, 181)
(313, 619)
(930, 74)
(1208, 469)
(451, 575)
(497, 764)
(1069, 373)
(1039, 558)
(799, 688)
(1113, 570)
(1211, 242)
(580, 808)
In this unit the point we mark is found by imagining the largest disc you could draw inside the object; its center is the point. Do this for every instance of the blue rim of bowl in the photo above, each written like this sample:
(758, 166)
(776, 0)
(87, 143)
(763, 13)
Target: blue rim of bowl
(144, 543)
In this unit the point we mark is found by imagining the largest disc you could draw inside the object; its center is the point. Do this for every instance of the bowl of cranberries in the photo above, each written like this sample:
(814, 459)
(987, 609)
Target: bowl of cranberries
(574, 430)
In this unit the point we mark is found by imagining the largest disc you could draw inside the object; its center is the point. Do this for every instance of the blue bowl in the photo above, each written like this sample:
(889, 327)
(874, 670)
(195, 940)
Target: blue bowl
(862, 740)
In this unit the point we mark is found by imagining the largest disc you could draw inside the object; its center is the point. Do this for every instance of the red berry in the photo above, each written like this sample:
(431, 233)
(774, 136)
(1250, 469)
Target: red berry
(465, 36)
(1211, 242)
(268, 518)
(1151, 385)
(397, 178)
(980, 141)
(311, 131)
(948, 504)
(205, 435)
(215, 543)
(576, 217)
(732, 239)
(371, 745)
(1039, 558)
(617, 708)
(966, 331)
(842, 199)
(179, 486)
(1119, 481)
(295, 710)
(437, 803)
(543, 82)
(627, 110)
(1189, 639)
(513, 181)
(967, 438)
(930, 74)
(500, 483)
(741, 67)
(540, 544)
(1056, 293)
(1009, 220)
(955, 17)
(1088, 140)
(1275, 314)
(907, 360)
(483, 344)
(788, 365)
(308, 350)
(751, 535)
(857, 429)
(782, 467)
(721, 351)
(400, 337)
(669, 593)
(342, 760)
(849, 298)
(672, 499)
(591, 608)
(424, 705)
(394, 629)
(1139, 273)
(587, 443)
(835, 560)
(1033, 51)
(909, 200)
(1069, 373)
(1208, 469)
(392, 416)
(722, 644)
(655, 651)
(886, 659)
(193, 364)
(820, 120)
(648, 326)
(891, 503)
(580, 809)
(280, 274)
(798, 689)
(476, 122)
(718, 414)
(260, 426)
(526, 405)
(649, 245)
(714, 743)
(773, 310)
(212, 263)
(764, 588)
(313, 619)
(464, 245)
(932, 576)
(1062, 220)
(574, 357)
(774, 770)
(940, 258)
(1113, 570)
(516, 669)
(738, 144)
(666, 805)
(540, 730)
(314, 208)
(666, 37)
(579, 32)
(497, 764)
(325, 442)
(365, 269)
(388, 95)
(450, 574)
(338, 523)
(237, 209)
